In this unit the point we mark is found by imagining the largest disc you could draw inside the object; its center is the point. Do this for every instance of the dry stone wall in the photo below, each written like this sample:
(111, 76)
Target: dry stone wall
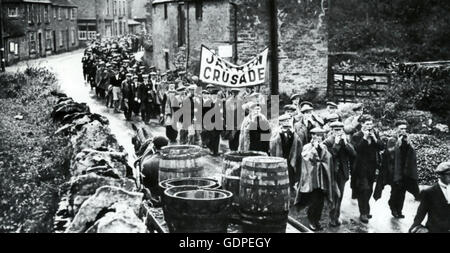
(102, 195)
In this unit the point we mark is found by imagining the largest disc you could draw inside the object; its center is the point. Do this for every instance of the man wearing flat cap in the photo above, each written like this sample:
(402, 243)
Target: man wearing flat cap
(149, 164)
(234, 115)
(368, 146)
(127, 96)
(170, 105)
(317, 182)
(352, 124)
(255, 130)
(146, 96)
(435, 203)
(343, 152)
(399, 170)
(286, 144)
(307, 122)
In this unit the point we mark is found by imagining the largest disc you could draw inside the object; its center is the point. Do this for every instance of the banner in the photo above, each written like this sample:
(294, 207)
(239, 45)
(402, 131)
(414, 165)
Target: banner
(216, 70)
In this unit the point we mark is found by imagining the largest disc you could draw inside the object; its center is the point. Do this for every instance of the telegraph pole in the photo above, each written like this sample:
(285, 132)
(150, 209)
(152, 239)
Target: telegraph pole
(273, 10)
(2, 47)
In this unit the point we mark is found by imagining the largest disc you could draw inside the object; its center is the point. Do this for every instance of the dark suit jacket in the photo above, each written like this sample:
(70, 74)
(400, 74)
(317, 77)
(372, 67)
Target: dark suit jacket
(435, 205)
(114, 81)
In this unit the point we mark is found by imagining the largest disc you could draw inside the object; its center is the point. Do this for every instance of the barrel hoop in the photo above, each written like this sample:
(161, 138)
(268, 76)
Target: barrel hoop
(274, 184)
(260, 169)
(168, 169)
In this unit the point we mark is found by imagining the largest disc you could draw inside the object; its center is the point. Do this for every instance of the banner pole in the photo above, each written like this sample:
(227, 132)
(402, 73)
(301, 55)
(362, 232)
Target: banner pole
(272, 4)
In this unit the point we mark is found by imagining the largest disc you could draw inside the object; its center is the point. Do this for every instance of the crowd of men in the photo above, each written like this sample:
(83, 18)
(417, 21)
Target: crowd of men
(323, 153)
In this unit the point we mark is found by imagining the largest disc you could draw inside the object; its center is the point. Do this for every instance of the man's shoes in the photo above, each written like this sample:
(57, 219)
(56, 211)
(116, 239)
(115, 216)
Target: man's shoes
(364, 219)
(395, 214)
(369, 216)
(401, 216)
(315, 227)
(335, 223)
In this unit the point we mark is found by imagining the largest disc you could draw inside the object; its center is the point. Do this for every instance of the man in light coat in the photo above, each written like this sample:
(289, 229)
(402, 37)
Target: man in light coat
(317, 182)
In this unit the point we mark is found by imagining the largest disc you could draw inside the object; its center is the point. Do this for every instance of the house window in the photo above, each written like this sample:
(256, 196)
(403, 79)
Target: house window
(82, 35)
(55, 10)
(115, 8)
(181, 26)
(13, 12)
(67, 13)
(59, 13)
(46, 16)
(199, 10)
(107, 7)
(166, 58)
(165, 11)
(48, 40)
(123, 6)
(72, 39)
(14, 48)
(38, 13)
(29, 14)
(92, 35)
(32, 41)
(61, 34)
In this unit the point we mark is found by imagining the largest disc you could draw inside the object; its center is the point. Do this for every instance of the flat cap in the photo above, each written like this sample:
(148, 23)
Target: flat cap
(160, 142)
(181, 88)
(337, 124)
(443, 168)
(332, 104)
(129, 75)
(135, 77)
(318, 131)
(306, 106)
(401, 122)
(145, 76)
(153, 73)
(235, 90)
(210, 86)
(290, 108)
(285, 120)
(294, 96)
(205, 92)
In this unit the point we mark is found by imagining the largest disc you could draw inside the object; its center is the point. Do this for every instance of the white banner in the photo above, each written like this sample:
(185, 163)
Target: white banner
(216, 70)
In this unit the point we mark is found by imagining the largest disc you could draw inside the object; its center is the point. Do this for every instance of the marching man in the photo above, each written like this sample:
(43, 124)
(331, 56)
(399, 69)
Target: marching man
(343, 154)
(316, 179)
(286, 144)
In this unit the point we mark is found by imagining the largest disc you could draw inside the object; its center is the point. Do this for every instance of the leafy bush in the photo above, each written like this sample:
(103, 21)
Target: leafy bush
(33, 161)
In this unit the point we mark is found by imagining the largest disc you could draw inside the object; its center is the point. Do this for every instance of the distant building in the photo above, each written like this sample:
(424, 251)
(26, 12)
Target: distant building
(180, 27)
(105, 18)
(35, 28)
(139, 19)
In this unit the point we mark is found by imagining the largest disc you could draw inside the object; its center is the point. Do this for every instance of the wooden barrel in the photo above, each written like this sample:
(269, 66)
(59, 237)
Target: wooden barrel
(200, 182)
(180, 162)
(264, 195)
(188, 209)
(231, 175)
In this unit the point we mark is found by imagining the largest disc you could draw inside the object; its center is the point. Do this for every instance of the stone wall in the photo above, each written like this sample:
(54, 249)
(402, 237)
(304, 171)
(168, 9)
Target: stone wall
(303, 51)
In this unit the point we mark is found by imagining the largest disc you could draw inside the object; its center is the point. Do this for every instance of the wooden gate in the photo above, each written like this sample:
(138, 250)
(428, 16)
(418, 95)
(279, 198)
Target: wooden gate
(351, 87)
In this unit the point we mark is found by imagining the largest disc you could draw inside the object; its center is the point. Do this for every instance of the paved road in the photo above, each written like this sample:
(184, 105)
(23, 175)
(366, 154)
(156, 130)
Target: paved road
(69, 72)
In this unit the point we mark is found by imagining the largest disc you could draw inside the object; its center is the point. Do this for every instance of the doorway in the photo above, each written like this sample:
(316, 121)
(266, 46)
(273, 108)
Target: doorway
(54, 41)
(40, 43)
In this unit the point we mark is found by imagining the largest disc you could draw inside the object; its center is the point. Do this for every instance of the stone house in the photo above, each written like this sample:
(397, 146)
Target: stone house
(139, 19)
(179, 28)
(38, 28)
(101, 18)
